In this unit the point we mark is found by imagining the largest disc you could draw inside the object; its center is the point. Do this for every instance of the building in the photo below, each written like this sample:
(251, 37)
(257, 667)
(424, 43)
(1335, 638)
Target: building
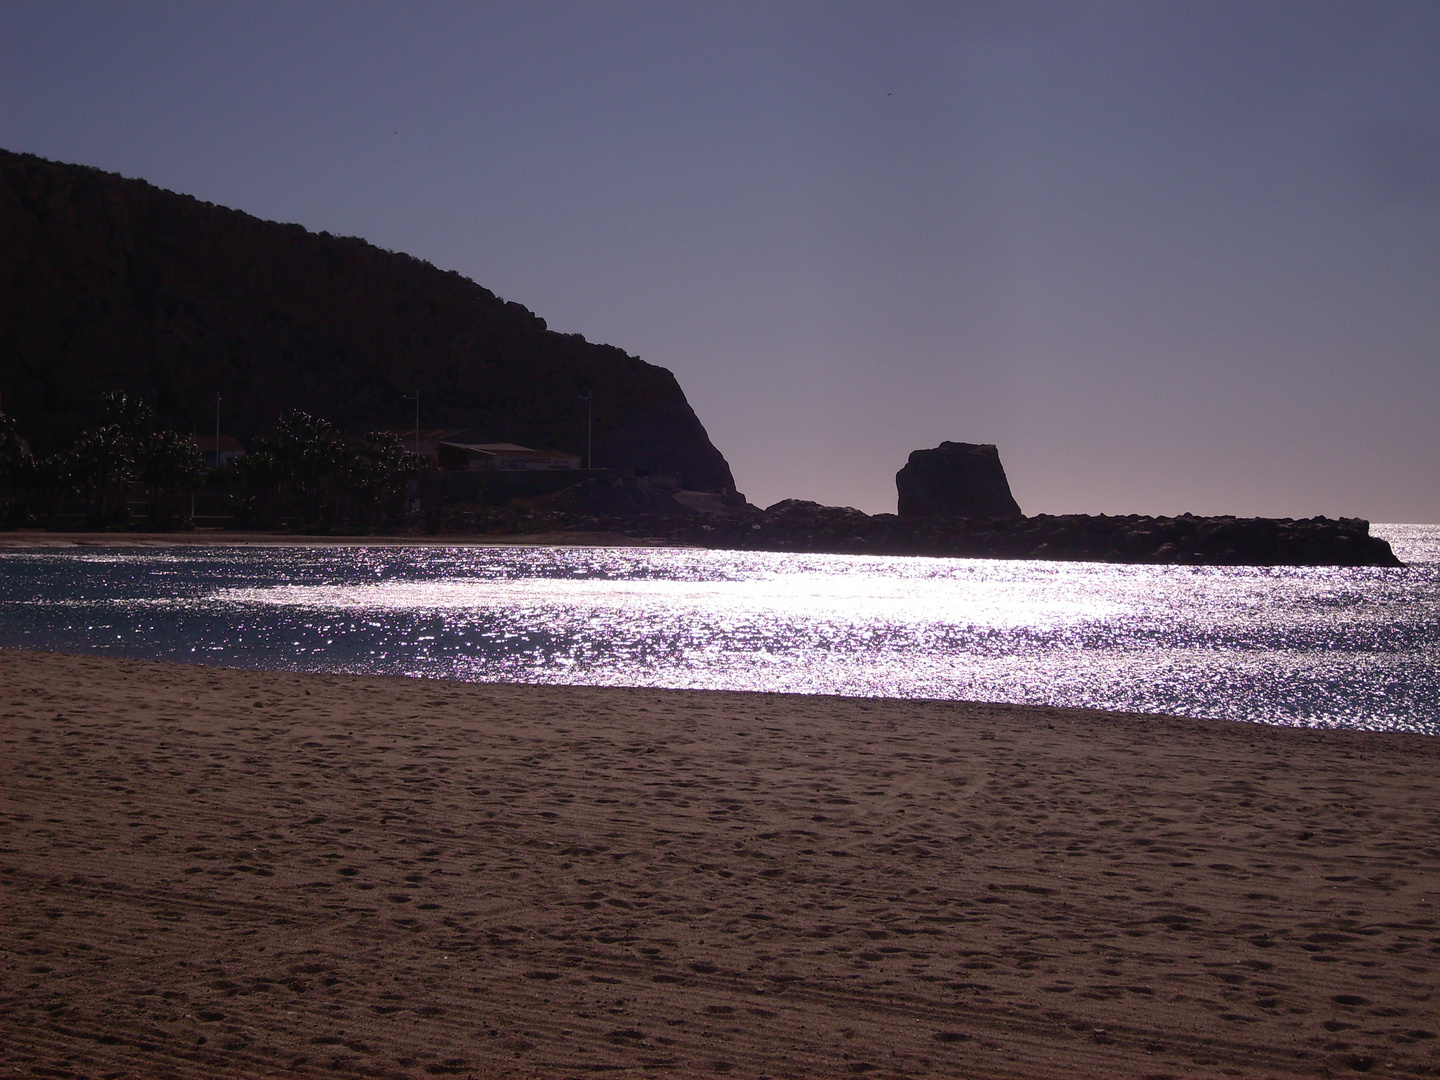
(501, 457)
(429, 441)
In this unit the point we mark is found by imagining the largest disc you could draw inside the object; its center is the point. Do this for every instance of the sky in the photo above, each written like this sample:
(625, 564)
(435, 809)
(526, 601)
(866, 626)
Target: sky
(1169, 257)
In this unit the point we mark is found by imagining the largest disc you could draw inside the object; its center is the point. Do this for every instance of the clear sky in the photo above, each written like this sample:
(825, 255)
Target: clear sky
(1168, 256)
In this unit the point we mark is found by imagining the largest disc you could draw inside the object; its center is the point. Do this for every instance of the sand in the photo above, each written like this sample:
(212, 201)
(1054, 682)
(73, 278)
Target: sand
(228, 873)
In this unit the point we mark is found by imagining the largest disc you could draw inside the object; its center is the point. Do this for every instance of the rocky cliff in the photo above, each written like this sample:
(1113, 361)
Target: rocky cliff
(955, 480)
(108, 283)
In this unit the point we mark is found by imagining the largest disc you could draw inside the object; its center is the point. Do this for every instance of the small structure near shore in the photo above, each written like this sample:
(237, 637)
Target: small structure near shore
(501, 457)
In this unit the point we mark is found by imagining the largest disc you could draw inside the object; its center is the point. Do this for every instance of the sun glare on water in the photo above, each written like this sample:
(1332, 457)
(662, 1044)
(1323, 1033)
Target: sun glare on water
(852, 599)
(1317, 646)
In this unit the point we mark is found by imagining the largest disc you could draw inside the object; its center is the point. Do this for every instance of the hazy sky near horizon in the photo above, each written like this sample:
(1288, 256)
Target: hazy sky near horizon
(1168, 256)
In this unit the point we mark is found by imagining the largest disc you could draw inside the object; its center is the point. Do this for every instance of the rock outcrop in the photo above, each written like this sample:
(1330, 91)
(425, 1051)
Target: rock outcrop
(112, 284)
(960, 480)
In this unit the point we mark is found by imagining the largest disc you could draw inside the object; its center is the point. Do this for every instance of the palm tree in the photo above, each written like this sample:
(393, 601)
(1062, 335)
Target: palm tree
(308, 456)
(167, 463)
(377, 477)
(15, 463)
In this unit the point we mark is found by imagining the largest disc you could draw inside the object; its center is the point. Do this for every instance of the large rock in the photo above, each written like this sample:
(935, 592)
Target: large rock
(112, 284)
(955, 480)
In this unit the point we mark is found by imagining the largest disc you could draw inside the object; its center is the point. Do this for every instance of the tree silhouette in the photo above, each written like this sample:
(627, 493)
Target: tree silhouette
(307, 471)
(15, 466)
(168, 464)
(106, 461)
(304, 473)
(377, 474)
(100, 468)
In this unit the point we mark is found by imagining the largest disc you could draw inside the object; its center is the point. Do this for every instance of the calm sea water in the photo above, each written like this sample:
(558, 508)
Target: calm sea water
(1324, 647)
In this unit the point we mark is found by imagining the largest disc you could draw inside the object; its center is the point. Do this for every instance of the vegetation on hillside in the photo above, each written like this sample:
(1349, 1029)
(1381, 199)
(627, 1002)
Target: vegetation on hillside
(305, 475)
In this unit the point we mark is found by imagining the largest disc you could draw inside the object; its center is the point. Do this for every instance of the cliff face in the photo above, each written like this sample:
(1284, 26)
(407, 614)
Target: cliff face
(108, 283)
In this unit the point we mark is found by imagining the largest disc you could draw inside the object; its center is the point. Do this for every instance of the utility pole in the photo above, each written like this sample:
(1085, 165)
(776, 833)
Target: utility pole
(589, 398)
(217, 429)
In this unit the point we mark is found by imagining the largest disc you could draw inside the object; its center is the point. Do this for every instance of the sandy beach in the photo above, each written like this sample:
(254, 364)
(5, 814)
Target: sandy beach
(209, 872)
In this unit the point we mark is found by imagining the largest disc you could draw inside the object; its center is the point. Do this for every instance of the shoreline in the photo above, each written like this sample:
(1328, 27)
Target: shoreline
(798, 527)
(221, 872)
(37, 539)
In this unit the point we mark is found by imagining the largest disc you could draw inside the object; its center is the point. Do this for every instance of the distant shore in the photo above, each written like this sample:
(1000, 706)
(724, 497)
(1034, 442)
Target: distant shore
(798, 527)
(217, 873)
(39, 538)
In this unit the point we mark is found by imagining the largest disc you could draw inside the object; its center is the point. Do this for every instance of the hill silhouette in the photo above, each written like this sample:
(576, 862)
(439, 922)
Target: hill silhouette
(108, 283)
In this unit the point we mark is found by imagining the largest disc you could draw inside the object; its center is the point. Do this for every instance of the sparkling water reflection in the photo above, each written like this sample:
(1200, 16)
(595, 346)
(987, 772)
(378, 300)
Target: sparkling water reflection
(1331, 647)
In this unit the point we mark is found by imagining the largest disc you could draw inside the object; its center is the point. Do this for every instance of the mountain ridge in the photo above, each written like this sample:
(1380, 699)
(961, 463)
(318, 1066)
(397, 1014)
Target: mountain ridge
(110, 283)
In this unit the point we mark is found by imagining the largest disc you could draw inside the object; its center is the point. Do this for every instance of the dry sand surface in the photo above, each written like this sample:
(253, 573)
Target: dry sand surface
(230, 873)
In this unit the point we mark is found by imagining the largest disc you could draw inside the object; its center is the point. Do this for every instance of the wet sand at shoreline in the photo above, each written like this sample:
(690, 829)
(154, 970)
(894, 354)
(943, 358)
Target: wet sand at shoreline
(209, 872)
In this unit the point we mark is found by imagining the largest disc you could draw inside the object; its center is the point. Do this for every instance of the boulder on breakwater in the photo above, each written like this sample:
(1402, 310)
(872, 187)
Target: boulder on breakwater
(955, 480)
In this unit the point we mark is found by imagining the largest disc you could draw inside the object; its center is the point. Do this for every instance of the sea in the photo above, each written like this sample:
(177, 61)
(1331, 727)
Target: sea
(1303, 646)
